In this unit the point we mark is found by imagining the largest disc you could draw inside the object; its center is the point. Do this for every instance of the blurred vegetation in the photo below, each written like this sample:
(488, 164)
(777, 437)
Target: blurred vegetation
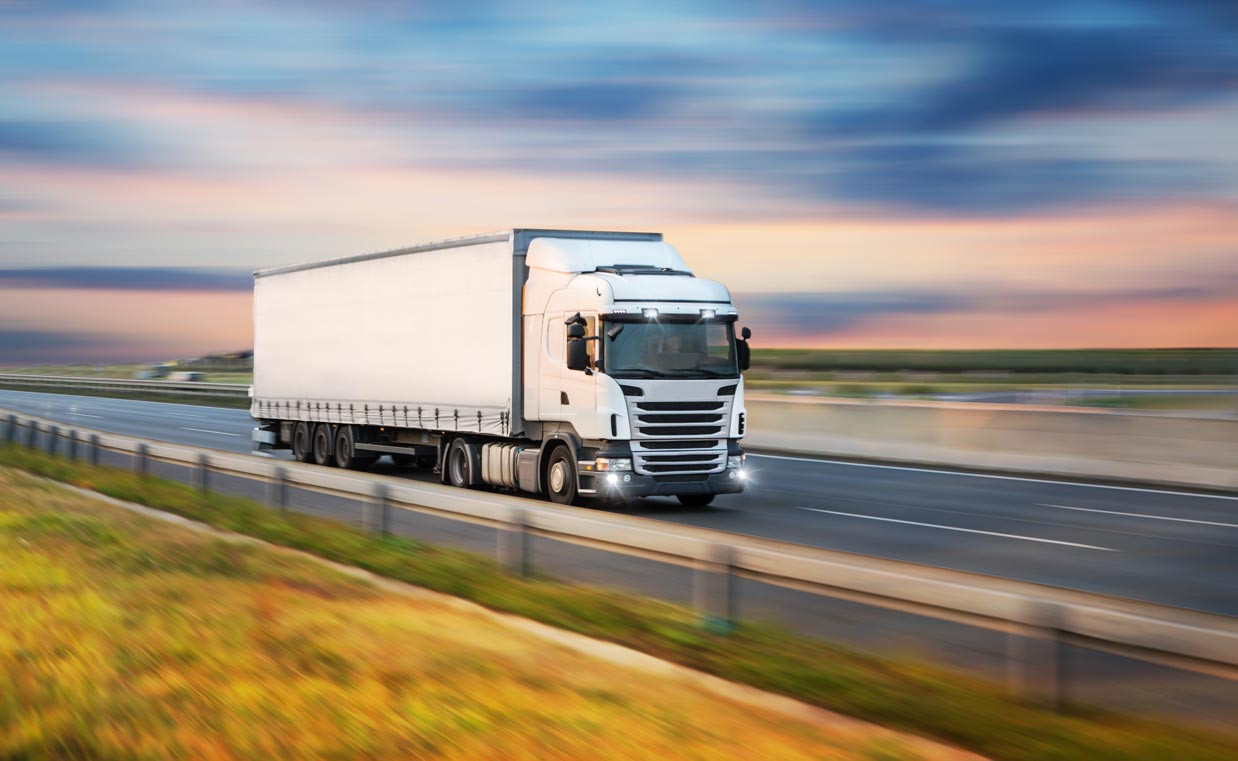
(126, 637)
(925, 700)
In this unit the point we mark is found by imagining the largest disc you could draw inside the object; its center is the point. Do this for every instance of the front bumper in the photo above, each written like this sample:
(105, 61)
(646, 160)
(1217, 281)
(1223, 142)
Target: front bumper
(629, 484)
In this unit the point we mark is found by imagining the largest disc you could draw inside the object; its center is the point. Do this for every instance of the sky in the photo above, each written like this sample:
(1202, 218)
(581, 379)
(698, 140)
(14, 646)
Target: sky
(930, 174)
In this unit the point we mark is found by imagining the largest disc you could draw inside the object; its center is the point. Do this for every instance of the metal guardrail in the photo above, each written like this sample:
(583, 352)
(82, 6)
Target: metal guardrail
(1038, 620)
(171, 388)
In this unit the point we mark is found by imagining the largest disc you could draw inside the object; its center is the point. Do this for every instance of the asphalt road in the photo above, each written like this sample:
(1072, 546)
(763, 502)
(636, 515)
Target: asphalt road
(1157, 545)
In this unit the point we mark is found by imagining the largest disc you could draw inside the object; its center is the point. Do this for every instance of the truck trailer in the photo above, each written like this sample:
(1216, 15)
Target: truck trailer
(565, 363)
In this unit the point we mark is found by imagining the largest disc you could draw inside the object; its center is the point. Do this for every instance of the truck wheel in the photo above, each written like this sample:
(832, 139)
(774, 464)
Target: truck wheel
(561, 477)
(459, 466)
(322, 444)
(345, 455)
(695, 500)
(302, 442)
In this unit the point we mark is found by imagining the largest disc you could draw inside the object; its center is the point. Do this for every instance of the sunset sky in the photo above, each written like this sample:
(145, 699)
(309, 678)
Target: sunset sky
(943, 173)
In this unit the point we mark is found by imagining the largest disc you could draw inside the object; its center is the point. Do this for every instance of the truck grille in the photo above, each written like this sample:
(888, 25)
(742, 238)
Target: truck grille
(679, 439)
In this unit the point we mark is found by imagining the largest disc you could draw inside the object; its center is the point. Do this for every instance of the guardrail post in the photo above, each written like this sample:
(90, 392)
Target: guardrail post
(1035, 666)
(32, 433)
(11, 434)
(714, 588)
(375, 511)
(277, 489)
(201, 473)
(71, 453)
(53, 438)
(513, 543)
(93, 450)
(141, 464)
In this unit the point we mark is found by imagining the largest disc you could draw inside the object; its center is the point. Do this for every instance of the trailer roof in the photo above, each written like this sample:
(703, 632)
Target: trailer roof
(519, 236)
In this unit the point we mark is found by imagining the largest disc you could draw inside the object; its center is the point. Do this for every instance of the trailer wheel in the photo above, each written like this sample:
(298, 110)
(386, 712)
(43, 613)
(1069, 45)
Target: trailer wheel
(345, 455)
(302, 442)
(460, 464)
(561, 477)
(322, 445)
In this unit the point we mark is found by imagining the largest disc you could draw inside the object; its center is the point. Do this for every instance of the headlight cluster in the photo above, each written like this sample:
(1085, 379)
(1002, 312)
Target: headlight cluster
(614, 463)
(736, 461)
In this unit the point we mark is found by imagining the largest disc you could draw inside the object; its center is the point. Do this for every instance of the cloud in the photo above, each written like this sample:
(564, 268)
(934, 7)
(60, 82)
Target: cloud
(597, 101)
(1001, 180)
(130, 278)
(1021, 72)
(821, 315)
(68, 142)
(19, 347)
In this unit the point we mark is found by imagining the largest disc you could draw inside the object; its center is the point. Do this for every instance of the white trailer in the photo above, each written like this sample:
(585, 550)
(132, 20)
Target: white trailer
(502, 360)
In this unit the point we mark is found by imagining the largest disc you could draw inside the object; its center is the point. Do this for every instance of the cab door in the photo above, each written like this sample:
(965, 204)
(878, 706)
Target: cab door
(567, 395)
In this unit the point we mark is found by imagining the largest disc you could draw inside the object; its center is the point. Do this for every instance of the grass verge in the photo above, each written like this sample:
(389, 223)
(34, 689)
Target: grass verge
(969, 713)
(127, 637)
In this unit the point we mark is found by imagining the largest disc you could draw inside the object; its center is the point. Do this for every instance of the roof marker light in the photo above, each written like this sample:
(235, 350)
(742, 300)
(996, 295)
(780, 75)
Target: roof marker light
(709, 314)
(649, 313)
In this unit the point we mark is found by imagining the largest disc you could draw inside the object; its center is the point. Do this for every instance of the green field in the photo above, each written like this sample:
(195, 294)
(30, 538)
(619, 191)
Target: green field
(1139, 362)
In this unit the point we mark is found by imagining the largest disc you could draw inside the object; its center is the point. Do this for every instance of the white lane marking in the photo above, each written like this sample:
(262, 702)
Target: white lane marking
(203, 430)
(1144, 515)
(968, 530)
(994, 475)
(83, 414)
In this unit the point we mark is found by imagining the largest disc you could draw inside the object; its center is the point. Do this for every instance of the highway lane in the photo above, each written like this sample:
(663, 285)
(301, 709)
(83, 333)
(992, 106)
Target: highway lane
(1158, 545)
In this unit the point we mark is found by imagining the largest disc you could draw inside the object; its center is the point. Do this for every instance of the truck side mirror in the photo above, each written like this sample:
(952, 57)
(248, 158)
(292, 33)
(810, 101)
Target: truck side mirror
(577, 348)
(742, 352)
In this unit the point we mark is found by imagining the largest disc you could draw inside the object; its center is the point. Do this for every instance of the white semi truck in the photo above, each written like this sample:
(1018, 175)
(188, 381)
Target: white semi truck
(565, 363)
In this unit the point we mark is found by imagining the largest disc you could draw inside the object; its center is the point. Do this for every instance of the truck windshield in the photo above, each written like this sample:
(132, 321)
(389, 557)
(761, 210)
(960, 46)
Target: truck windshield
(670, 349)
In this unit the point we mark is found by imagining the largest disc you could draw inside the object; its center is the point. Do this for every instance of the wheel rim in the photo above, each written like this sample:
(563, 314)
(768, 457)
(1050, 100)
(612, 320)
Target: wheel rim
(342, 451)
(558, 477)
(458, 473)
(320, 447)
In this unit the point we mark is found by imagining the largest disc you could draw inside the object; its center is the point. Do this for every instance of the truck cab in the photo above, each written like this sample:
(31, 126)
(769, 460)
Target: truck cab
(634, 358)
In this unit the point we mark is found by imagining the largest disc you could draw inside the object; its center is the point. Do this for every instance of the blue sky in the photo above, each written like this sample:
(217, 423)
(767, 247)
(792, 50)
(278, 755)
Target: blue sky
(245, 134)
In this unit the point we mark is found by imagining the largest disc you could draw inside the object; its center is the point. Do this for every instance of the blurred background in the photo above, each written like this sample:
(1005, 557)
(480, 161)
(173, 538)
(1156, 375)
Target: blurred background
(943, 174)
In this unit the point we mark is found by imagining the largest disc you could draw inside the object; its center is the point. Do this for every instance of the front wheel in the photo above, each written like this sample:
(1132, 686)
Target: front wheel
(561, 477)
(695, 500)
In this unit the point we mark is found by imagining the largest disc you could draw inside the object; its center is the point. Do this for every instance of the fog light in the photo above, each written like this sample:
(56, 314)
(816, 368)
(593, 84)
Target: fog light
(743, 475)
(612, 479)
(626, 478)
(733, 474)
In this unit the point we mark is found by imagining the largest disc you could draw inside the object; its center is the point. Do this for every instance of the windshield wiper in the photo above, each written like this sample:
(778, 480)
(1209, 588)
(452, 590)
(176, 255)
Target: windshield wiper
(635, 373)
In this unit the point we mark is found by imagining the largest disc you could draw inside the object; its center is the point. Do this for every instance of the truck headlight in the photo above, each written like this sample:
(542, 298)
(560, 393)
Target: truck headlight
(736, 461)
(614, 463)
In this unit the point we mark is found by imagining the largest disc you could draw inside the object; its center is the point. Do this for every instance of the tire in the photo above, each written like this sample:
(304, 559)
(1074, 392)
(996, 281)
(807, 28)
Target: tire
(695, 500)
(345, 456)
(322, 445)
(459, 467)
(561, 477)
(302, 442)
